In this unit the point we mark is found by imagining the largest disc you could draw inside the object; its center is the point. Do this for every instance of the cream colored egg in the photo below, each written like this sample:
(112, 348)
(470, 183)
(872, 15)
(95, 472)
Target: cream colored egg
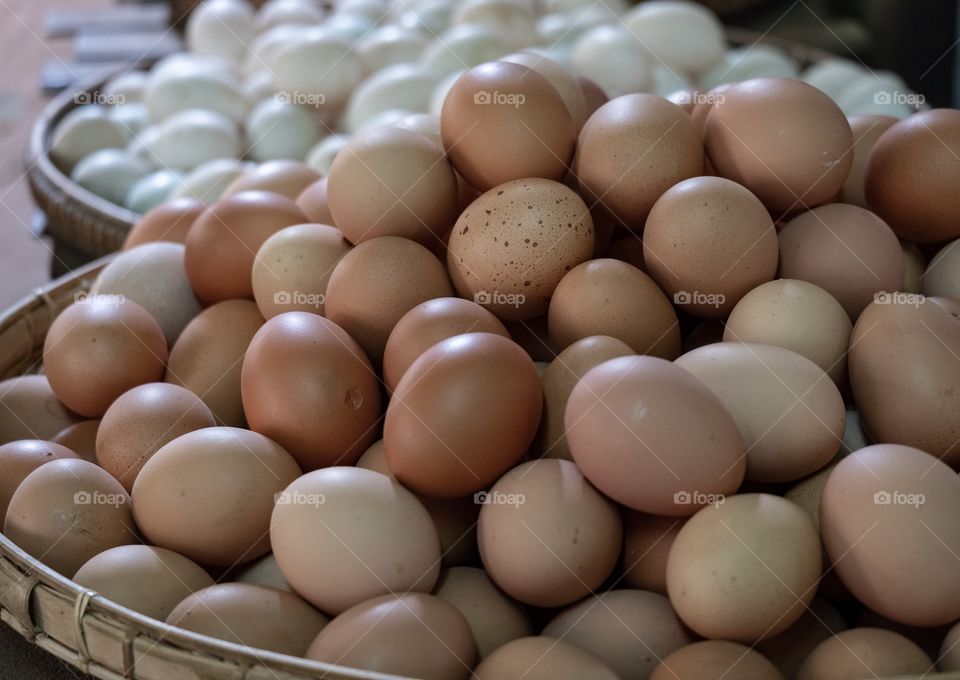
(614, 59)
(109, 173)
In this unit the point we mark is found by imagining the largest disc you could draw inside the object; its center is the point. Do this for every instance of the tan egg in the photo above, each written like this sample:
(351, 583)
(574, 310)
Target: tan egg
(905, 375)
(30, 410)
(949, 657)
(866, 130)
(788, 650)
(121, 574)
(502, 122)
(208, 357)
(510, 248)
(610, 297)
(99, 348)
(716, 660)
(21, 457)
(413, 635)
(848, 251)
(784, 140)
(914, 264)
(942, 276)
(629, 630)
(169, 221)
(343, 535)
(559, 378)
(890, 495)
(292, 268)
(224, 241)
(542, 658)
(308, 386)
(495, 619)
(651, 436)
(929, 639)
(790, 414)
(314, 204)
(708, 242)
(141, 421)
(153, 276)
(67, 511)
(379, 281)
(184, 501)
(429, 323)
(631, 150)
(285, 177)
(81, 438)
(563, 82)
(744, 569)
(264, 572)
(864, 652)
(464, 413)
(646, 545)
(250, 615)
(628, 249)
(703, 105)
(808, 492)
(593, 95)
(952, 305)
(798, 316)
(568, 533)
(389, 181)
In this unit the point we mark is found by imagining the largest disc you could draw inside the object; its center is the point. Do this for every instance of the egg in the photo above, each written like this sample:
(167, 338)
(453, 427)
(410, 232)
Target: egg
(461, 47)
(613, 56)
(914, 264)
(866, 131)
(941, 278)
(562, 80)
(542, 658)
(81, 132)
(30, 409)
(391, 44)
(396, 86)
(745, 63)
(188, 138)
(221, 28)
(151, 190)
(323, 153)
(789, 649)
(851, 653)
(277, 129)
(314, 203)
(715, 660)
(209, 181)
(296, 68)
(949, 657)
(192, 87)
(265, 572)
(109, 173)
(21, 457)
(81, 438)
(170, 221)
(684, 36)
(285, 177)
(646, 545)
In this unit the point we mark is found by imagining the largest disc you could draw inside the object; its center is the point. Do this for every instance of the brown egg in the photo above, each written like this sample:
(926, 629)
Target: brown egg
(798, 316)
(120, 574)
(429, 323)
(848, 251)
(99, 348)
(314, 204)
(494, 618)
(81, 438)
(942, 276)
(558, 380)
(914, 264)
(308, 386)
(889, 524)
(19, 458)
(629, 630)
(170, 221)
(631, 150)
(143, 420)
(293, 267)
(929, 639)
(389, 181)
(866, 129)
(225, 239)
(264, 572)
(905, 375)
(250, 615)
(790, 648)
(285, 177)
(463, 414)
(502, 122)
(628, 249)
(952, 305)
(708, 242)
(744, 569)
(510, 248)
(208, 356)
(646, 544)
(790, 414)
(912, 176)
(864, 652)
(716, 660)
(542, 658)
(568, 534)
(593, 95)
(610, 297)
(661, 442)
(563, 82)
(413, 635)
(66, 511)
(208, 494)
(379, 281)
(343, 535)
(30, 410)
(784, 140)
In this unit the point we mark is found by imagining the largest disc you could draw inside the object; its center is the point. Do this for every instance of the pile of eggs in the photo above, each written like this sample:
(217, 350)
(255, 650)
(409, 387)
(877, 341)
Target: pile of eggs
(558, 382)
(293, 82)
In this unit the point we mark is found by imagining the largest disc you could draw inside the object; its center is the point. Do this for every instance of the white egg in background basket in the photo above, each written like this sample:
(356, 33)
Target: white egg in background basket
(401, 86)
(278, 129)
(462, 47)
(666, 81)
(560, 77)
(208, 181)
(109, 173)
(880, 92)
(745, 63)
(512, 20)
(84, 130)
(614, 7)
(178, 90)
(426, 124)
(614, 59)
(318, 65)
(388, 45)
(187, 139)
(220, 27)
(348, 26)
(152, 190)
(127, 85)
(266, 46)
(386, 118)
(258, 86)
(321, 156)
(432, 16)
(685, 36)
(832, 76)
(134, 117)
(441, 90)
(287, 12)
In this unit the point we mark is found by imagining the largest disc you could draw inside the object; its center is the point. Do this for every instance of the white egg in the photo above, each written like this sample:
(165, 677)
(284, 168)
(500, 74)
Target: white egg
(562, 54)
(208, 181)
(178, 90)
(432, 16)
(558, 28)
(390, 45)
(745, 63)
(426, 124)
(614, 59)
(463, 47)
(258, 86)
(128, 85)
(832, 76)
(348, 26)
(401, 86)
(387, 118)
(189, 138)
(441, 90)
(266, 46)
(286, 12)
(220, 27)
(611, 7)
(152, 190)
(318, 66)
(514, 21)
(374, 10)
(684, 36)
(109, 173)
(82, 131)
(321, 156)
(277, 129)
(875, 93)
(134, 117)
(666, 80)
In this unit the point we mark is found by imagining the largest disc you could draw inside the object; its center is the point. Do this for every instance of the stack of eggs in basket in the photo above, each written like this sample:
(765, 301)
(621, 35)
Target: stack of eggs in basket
(561, 380)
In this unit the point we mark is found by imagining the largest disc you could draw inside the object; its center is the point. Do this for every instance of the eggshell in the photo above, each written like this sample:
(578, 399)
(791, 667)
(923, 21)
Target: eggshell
(852, 653)
(343, 535)
(942, 276)
(222, 28)
(21, 457)
(208, 357)
(314, 204)
(120, 573)
(460, 46)
(751, 61)
(278, 129)
(612, 56)
(630, 630)
(646, 544)
(322, 155)
(285, 177)
(949, 657)
(307, 385)
(66, 511)
(414, 635)
(109, 173)
(464, 413)
(715, 660)
(866, 131)
(914, 264)
(82, 131)
(297, 72)
(188, 138)
(391, 44)
(170, 221)
(562, 80)
(209, 181)
(264, 572)
(30, 410)
(396, 86)
(151, 190)
(542, 658)
(183, 501)
(789, 649)
(81, 438)
(662, 442)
